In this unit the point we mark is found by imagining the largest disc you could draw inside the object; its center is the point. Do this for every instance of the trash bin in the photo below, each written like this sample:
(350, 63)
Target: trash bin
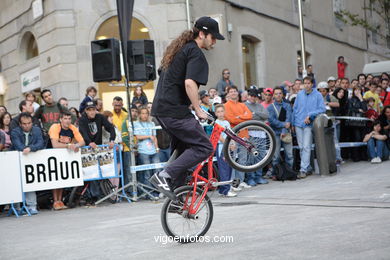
(324, 144)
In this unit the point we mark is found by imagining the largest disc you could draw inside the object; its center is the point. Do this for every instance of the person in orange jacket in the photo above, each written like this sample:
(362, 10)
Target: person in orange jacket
(235, 112)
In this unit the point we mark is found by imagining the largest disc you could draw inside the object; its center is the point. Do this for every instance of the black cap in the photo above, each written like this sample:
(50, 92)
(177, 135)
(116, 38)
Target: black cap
(209, 25)
(252, 92)
(90, 104)
(203, 93)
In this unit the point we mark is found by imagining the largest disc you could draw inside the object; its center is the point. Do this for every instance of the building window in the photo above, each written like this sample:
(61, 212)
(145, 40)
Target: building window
(249, 59)
(32, 48)
(338, 6)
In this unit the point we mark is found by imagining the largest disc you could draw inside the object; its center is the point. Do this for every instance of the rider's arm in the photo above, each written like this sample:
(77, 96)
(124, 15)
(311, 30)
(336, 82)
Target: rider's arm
(192, 93)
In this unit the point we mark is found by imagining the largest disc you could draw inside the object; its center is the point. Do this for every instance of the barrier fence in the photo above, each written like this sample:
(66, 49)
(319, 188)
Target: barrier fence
(50, 169)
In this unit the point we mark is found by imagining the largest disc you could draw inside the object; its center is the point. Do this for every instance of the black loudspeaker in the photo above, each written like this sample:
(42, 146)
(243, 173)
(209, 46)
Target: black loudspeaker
(141, 60)
(105, 60)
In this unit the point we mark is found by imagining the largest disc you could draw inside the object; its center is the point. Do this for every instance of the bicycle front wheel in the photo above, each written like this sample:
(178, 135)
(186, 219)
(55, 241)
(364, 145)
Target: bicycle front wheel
(107, 188)
(261, 141)
(178, 223)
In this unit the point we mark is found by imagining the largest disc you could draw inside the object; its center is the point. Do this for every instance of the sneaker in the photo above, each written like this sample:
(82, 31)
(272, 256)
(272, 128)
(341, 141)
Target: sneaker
(236, 189)
(301, 175)
(244, 185)
(261, 181)
(163, 185)
(231, 194)
(376, 160)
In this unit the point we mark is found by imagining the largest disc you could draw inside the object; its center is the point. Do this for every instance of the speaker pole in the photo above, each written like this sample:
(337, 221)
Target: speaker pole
(125, 15)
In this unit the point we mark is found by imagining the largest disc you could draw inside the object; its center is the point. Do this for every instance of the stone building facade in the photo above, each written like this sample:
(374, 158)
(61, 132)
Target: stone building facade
(46, 43)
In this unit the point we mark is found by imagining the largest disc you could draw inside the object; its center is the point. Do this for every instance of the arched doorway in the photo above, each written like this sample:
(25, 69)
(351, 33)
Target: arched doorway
(110, 29)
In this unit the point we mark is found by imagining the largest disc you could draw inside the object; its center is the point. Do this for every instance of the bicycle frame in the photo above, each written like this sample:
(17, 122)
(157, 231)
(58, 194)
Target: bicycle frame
(198, 180)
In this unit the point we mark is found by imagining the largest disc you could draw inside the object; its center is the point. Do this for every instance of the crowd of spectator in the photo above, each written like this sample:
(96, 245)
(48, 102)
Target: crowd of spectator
(289, 109)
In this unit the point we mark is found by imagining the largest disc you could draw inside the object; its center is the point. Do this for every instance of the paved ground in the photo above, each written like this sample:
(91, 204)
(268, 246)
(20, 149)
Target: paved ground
(340, 217)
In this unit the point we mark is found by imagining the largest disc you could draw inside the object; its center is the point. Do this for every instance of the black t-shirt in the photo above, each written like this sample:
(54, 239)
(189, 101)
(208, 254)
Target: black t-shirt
(171, 99)
(66, 136)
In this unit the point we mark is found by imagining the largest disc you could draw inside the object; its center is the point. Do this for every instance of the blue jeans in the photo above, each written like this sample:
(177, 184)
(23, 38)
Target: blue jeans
(164, 154)
(377, 148)
(143, 176)
(225, 173)
(305, 141)
(288, 155)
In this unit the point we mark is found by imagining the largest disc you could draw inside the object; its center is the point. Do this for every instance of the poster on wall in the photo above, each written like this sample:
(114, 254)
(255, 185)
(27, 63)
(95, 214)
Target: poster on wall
(10, 183)
(51, 169)
(30, 80)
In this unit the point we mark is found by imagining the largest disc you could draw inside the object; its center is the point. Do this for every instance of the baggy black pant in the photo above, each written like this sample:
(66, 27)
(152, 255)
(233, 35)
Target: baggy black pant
(191, 142)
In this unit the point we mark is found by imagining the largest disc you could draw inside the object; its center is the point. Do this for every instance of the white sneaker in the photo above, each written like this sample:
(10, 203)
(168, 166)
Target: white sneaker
(244, 185)
(373, 160)
(231, 194)
(236, 189)
(378, 160)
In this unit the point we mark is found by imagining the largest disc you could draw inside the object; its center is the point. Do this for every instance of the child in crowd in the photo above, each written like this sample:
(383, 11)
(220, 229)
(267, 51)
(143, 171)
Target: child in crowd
(139, 97)
(376, 144)
(371, 113)
(89, 96)
(224, 170)
(147, 144)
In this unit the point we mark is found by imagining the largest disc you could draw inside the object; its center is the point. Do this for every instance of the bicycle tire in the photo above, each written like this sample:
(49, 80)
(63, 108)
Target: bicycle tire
(168, 228)
(107, 188)
(74, 197)
(250, 162)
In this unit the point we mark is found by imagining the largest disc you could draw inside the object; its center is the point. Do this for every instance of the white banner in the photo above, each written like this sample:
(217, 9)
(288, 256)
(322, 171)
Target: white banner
(30, 80)
(51, 169)
(10, 183)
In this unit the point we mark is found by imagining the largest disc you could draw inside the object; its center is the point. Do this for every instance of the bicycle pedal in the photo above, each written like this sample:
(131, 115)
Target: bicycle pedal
(236, 183)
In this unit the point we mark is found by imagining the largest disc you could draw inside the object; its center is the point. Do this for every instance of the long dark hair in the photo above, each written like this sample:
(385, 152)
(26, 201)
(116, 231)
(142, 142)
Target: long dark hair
(176, 45)
(343, 109)
(2, 119)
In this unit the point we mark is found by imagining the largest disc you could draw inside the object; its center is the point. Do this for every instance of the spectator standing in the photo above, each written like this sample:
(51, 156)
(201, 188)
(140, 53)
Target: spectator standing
(64, 135)
(5, 123)
(49, 114)
(25, 106)
(376, 144)
(280, 115)
(224, 170)
(310, 74)
(147, 144)
(212, 93)
(341, 67)
(99, 105)
(261, 114)
(296, 87)
(90, 95)
(331, 84)
(139, 96)
(235, 113)
(28, 138)
(224, 83)
(357, 108)
(268, 97)
(308, 104)
(91, 129)
(76, 114)
(385, 92)
(30, 96)
(362, 82)
(63, 102)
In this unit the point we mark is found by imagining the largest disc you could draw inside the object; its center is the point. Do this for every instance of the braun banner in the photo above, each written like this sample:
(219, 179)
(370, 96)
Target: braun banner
(51, 169)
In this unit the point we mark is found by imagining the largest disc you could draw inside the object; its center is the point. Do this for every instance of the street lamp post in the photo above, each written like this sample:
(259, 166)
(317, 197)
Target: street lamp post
(302, 36)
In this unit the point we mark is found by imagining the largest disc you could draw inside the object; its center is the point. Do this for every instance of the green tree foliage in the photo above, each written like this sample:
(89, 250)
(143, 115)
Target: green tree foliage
(379, 8)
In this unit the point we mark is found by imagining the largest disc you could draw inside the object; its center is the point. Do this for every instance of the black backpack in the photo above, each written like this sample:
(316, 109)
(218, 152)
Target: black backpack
(284, 172)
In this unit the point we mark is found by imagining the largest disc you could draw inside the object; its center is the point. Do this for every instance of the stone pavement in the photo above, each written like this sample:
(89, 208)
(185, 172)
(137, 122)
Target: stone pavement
(345, 216)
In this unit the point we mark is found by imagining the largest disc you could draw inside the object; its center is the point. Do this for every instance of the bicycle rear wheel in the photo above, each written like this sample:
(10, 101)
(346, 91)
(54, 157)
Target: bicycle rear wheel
(107, 188)
(178, 223)
(260, 137)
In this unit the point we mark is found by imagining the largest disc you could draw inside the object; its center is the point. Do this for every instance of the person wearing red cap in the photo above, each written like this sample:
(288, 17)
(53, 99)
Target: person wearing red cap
(268, 94)
(183, 69)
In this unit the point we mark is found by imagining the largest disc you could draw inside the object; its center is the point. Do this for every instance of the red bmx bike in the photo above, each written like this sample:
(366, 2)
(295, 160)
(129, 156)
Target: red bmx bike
(248, 147)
